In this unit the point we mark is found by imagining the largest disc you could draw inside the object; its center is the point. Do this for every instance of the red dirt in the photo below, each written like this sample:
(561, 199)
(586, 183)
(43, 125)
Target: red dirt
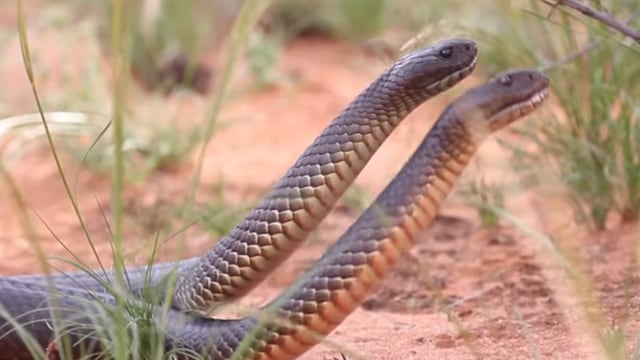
(464, 292)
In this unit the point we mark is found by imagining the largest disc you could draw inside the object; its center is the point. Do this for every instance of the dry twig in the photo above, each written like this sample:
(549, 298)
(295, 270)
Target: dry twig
(599, 16)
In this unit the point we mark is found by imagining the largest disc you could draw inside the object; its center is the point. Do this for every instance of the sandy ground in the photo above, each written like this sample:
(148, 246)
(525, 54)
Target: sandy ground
(464, 292)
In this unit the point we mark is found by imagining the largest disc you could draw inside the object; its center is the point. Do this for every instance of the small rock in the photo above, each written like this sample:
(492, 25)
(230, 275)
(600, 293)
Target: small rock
(372, 304)
(501, 239)
(444, 341)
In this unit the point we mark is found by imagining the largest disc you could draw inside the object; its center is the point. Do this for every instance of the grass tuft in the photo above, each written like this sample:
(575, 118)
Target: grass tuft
(345, 19)
(483, 196)
(591, 143)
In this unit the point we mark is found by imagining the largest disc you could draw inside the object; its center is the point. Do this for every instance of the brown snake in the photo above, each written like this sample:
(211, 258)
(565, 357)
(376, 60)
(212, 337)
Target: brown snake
(294, 207)
(309, 190)
(341, 279)
(337, 284)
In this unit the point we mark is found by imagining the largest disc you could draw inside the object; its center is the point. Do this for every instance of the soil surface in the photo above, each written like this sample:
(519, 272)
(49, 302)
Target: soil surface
(463, 292)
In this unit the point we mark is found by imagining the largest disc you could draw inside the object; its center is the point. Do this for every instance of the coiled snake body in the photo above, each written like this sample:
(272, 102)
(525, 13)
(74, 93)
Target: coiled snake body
(323, 297)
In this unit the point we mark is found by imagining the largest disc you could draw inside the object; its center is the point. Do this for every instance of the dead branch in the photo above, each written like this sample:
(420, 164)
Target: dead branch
(598, 16)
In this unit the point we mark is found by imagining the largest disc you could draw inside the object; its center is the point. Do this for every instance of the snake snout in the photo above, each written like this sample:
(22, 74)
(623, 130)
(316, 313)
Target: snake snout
(516, 94)
(462, 53)
(465, 56)
(466, 47)
(522, 81)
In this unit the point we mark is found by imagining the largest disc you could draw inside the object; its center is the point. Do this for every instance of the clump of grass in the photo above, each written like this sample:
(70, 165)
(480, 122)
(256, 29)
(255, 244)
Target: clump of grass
(589, 142)
(218, 215)
(357, 198)
(613, 341)
(167, 43)
(352, 21)
(484, 196)
(154, 137)
(592, 142)
(263, 52)
(167, 148)
(349, 19)
(357, 20)
(148, 149)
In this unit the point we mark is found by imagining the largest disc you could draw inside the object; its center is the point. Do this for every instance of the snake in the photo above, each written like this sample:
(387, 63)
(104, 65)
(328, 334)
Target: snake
(298, 202)
(340, 280)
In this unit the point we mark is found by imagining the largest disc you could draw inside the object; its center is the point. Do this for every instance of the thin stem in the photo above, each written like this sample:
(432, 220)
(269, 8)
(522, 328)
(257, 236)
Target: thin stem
(120, 59)
(248, 16)
(600, 16)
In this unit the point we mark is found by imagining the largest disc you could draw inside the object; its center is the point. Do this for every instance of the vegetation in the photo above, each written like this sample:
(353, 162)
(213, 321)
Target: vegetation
(124, 326)
(585, 151)
(591, 146)
(484, 196)
(167, 46)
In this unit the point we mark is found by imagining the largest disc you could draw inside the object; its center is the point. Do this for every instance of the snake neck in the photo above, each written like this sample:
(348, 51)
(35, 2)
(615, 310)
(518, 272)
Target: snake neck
(340, 281)
(301, 199)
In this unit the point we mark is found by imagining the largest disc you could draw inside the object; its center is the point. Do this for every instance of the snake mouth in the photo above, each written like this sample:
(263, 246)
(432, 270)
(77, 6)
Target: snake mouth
(517, 110)
(454, 77)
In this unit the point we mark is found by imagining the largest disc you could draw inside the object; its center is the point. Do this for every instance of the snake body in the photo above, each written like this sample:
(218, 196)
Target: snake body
(308, 191)
(325, 295)
(296, 204)
(340, 281)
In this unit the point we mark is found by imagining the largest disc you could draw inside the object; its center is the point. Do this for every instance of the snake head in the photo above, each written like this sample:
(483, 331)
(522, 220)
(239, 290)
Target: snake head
(436, 67)
(509, 96)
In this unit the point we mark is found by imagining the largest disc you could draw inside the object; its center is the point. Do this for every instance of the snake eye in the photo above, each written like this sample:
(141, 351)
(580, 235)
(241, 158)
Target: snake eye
(446, 52)
(505, 80)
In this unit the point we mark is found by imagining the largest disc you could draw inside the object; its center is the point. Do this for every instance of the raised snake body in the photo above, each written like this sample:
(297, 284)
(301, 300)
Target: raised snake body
(341, 279)
(310, 188)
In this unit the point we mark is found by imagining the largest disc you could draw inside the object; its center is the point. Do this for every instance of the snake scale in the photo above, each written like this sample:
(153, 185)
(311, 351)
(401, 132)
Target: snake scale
(325, 295)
